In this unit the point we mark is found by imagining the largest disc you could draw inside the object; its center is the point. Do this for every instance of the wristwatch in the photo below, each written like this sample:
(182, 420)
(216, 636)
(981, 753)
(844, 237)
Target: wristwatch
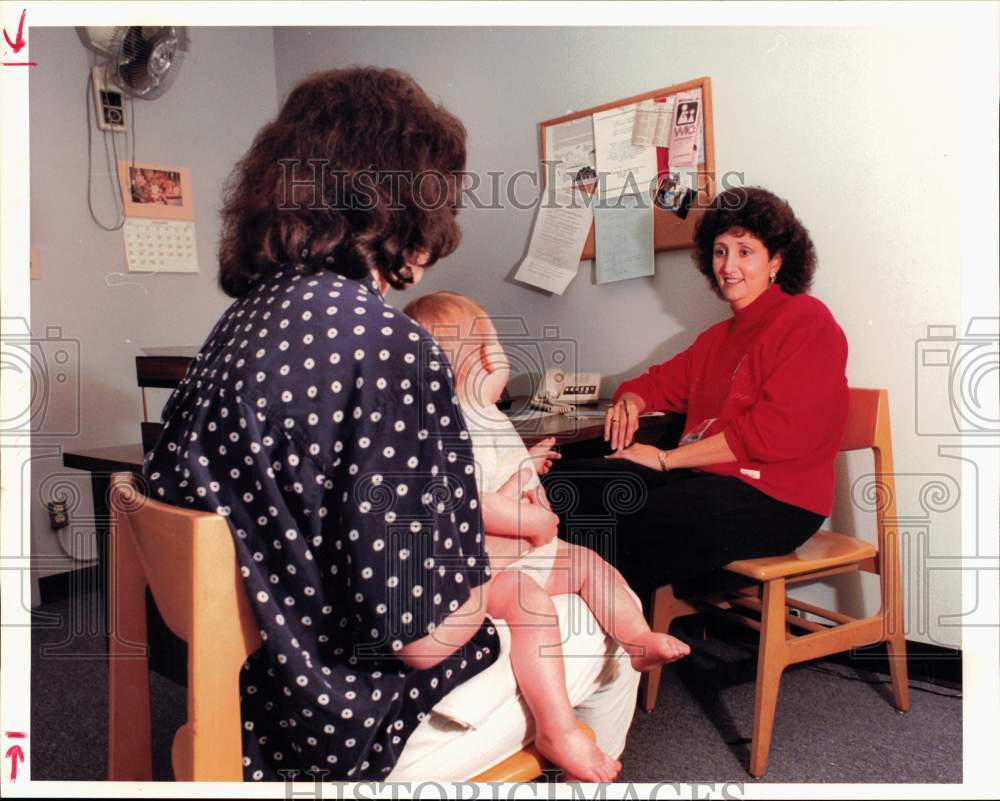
(661, 457)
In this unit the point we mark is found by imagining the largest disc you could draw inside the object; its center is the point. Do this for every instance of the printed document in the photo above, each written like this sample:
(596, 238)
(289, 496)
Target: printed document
(569, 154)
(624, 168)
(623, 230)
(652, 123)
(685, 134)
(561, 227)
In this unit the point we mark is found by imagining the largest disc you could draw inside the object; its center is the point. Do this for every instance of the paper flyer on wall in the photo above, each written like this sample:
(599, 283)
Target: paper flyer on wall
(652, 123)
(561, 228)
(623, 233)
(569, 154)
(684, 134)
(624, 168)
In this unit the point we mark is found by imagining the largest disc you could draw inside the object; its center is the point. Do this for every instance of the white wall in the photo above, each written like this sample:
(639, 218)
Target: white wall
(838, 121)
(224, 92)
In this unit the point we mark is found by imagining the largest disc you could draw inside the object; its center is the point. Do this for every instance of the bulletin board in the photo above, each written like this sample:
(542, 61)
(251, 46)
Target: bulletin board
(670, 232)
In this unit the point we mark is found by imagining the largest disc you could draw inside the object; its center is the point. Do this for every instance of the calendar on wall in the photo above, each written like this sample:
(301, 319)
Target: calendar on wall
(159, 218)
(160, 246)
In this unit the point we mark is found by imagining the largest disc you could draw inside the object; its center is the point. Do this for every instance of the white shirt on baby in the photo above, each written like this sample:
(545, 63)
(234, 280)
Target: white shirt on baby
(497, 448)
(499, 453)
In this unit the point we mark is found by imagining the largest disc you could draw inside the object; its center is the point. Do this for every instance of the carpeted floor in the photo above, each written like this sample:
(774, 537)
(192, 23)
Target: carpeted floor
(834, 723)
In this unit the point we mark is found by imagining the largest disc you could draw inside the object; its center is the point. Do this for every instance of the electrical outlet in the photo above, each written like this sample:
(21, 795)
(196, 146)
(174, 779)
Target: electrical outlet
(58, 516)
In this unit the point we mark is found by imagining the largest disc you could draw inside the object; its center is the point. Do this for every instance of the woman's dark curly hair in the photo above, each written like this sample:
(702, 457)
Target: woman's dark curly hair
(769, 218)
(357, 173)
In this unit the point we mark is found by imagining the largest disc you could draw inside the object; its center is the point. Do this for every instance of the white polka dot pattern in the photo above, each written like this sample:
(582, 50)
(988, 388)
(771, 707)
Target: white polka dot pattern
(311, 421)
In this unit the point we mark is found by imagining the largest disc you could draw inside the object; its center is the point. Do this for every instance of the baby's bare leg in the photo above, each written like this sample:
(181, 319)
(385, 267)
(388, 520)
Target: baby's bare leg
(583, 572)
(536, 657)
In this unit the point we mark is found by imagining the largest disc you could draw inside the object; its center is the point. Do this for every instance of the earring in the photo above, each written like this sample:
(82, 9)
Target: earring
(773, 273)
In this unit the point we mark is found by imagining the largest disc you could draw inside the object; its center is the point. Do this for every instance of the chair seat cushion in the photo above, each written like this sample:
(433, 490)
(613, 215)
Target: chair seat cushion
(824, 549)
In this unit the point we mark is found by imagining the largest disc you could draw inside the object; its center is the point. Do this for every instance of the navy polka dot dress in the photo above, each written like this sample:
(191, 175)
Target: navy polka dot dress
(323, 424)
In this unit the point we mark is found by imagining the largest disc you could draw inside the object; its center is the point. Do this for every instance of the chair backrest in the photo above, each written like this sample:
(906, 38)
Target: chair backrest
(188, 560)
(868, 427)
(867, 418)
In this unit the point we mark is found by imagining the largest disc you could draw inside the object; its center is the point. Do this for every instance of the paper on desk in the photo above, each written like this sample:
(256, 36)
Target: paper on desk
(624, 168)
(652, 123)
(623, 231)
(530, 414)
(685, 132)
(561, 227)
(592, 412)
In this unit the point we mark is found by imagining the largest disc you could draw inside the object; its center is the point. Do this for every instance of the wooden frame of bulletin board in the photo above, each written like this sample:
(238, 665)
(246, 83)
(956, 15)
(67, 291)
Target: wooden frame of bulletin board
(670, 232)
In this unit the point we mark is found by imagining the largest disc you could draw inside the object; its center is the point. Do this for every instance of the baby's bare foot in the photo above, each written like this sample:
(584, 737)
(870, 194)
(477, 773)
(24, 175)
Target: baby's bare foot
(573, 751)
(654, 649)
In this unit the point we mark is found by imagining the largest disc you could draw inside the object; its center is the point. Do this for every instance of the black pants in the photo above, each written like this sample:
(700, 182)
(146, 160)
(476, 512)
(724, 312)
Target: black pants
(676, 527)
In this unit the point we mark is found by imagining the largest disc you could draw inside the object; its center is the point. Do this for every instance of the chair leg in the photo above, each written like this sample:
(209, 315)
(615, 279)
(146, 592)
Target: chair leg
(771, 662)
(666, 607)
(893, 631)
(898, 671)
(129, 734)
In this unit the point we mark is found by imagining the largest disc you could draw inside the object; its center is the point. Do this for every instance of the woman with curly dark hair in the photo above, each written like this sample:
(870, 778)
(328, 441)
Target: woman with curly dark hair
(358, 173)
(322, 423)
(765, 395)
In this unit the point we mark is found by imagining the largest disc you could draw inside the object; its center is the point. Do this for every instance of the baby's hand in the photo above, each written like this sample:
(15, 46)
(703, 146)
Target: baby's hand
(539, 526)
(543, 455)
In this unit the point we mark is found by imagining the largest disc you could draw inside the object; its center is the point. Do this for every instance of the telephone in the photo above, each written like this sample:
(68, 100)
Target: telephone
(561, 391)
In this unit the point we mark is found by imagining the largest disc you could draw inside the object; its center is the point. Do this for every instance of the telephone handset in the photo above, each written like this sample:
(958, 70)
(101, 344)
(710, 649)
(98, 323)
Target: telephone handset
(562, 392)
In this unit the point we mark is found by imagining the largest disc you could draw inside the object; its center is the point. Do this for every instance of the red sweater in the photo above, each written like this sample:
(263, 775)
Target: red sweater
(772, 380)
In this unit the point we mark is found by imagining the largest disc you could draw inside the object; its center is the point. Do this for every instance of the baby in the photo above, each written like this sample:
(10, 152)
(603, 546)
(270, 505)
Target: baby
(529, 563)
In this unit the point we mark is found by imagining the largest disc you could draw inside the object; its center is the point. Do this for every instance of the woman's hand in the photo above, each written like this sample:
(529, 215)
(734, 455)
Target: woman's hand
(514, 487)
(710, 450)
(646, 455)
(622, 420)
(538, 524)
(543, 455)
(537, 495)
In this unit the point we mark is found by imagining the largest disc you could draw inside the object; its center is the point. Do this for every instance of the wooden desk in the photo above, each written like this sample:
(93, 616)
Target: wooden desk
(114, 459)
(568, 431)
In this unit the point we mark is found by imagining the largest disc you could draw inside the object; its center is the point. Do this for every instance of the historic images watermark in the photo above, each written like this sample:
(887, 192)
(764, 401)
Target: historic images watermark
(43, 374)
(50, 368)
(530, 356)
(957, 397)
(296, 787)
(315, 184)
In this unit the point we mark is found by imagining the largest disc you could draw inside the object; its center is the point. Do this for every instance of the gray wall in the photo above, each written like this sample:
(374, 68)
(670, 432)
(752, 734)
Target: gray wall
(224, 92)
(835, 120)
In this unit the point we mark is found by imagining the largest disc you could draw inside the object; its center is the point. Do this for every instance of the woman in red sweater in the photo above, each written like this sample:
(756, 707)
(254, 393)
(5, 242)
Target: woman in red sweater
(765, 395)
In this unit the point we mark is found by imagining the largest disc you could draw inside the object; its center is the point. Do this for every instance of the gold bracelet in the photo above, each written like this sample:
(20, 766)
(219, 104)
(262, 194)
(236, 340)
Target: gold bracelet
(661, 457)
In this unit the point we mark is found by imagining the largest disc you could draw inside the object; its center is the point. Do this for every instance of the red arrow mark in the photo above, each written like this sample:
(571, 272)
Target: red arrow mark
(17, 45)
(14, 753)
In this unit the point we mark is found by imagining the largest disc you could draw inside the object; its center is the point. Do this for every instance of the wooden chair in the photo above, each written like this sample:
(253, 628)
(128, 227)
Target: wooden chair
(188, 561)
(825, 554)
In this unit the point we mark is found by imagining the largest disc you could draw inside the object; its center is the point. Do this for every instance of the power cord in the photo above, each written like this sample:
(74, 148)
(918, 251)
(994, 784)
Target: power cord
(839, 675)
(113, 166)
(845, 677)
